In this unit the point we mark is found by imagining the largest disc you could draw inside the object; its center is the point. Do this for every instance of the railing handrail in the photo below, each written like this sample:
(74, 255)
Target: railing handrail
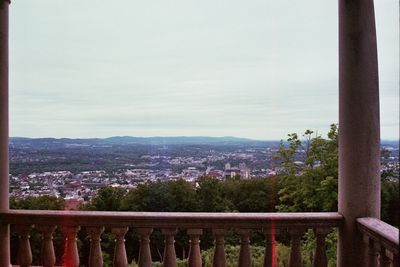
(143, 223)
(172, 219)
(381, 232)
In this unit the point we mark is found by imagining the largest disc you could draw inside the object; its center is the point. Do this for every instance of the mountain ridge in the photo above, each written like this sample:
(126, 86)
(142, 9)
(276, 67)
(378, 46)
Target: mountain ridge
(153, 140)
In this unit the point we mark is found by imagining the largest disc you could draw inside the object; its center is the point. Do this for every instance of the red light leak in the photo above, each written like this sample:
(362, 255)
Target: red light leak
(273, 246)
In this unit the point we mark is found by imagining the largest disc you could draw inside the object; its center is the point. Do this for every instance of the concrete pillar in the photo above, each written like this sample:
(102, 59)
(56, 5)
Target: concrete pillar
(359, 133)
(4, 170)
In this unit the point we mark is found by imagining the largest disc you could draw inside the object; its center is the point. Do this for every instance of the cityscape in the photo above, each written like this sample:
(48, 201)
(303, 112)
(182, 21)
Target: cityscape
(40, 166)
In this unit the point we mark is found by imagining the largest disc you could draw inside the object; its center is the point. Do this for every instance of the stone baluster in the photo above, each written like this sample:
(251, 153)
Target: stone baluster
(144, 251)
(120, 258)
(95, 254)
(194, 250)
(371, 252)
(244, 254)
(295, 253)
(374, 253)
(71, 256)
(320, 259)
(395, 260)
(219, 250)
(169, 250)
(48, 257)
(391, 258)
(24, 256)
(384, 260)
(270, 257)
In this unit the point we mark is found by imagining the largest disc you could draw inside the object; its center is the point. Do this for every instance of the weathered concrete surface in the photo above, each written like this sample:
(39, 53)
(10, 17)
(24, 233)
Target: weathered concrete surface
(359, 129)
(385, 234)
(185, 220)
(4, 185)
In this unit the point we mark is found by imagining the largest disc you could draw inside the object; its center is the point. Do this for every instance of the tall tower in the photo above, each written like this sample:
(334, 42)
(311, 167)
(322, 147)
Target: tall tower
(50, 183)
(227, 166)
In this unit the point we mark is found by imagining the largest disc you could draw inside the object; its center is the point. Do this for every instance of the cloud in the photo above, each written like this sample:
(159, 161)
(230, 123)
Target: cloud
(256, 69)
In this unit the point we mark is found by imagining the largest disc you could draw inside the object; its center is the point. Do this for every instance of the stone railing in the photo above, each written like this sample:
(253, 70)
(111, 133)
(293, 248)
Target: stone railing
(143, 223)
(381, 242)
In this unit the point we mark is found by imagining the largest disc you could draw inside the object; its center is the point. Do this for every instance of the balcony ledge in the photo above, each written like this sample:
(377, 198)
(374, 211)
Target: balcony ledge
(172, 219)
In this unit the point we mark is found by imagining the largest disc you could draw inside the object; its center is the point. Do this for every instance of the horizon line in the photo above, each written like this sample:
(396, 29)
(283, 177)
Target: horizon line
(170, 136)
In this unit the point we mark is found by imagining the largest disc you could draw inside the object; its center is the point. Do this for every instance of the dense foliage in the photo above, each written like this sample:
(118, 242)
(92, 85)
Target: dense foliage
(310, 184)
(38, 203)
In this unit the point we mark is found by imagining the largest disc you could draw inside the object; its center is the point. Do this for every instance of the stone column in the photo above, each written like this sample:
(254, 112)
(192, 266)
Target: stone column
(4, 170)
(359, 129)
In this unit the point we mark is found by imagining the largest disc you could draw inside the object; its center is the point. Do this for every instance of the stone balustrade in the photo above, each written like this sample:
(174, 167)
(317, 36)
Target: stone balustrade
(143, 223)
(381, 242)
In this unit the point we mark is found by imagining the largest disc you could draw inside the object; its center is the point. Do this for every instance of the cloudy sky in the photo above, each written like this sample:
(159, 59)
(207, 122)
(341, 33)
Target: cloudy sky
(257, 69)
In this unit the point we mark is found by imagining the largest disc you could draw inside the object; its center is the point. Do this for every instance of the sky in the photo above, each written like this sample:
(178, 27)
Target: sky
(255, 69)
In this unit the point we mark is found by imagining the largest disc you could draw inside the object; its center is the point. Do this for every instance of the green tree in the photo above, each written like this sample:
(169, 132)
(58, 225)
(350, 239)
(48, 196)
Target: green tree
(256, 195)
(38, 203)
(107, 199)
(287, 154)
(390, 202)
(312, 186)
(162, 196)
(211, 196)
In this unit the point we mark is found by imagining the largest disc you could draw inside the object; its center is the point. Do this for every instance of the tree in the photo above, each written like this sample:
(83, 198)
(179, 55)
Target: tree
(390, 202)
(107, 199)
(286, 155)
(211, 196)
(312, 186)
(256, 195)
(162, 196)
(38, 203)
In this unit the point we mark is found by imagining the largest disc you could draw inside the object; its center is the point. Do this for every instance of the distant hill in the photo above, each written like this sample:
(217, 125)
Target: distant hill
(393, 143)
(156, 140)
(162, 140)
